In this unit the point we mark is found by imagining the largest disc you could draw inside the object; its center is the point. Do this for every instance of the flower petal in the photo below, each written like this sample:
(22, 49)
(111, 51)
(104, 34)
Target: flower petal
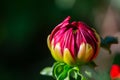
(81, 52)
(89, 52)
(67, 57)
(56, 53)
(48, 41)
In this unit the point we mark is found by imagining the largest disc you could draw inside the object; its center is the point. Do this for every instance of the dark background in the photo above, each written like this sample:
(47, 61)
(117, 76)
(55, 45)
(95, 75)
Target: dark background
(24, 27)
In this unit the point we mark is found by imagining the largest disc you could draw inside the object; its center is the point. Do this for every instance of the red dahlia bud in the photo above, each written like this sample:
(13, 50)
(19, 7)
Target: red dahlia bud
(73, 43)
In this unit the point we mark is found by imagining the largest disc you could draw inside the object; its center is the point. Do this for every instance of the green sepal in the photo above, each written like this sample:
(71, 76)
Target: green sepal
(77, 73)
(57, 69)
(62, 71)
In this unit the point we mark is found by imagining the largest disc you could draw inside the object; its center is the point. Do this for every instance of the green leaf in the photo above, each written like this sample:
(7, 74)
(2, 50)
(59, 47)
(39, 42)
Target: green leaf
(47, 71)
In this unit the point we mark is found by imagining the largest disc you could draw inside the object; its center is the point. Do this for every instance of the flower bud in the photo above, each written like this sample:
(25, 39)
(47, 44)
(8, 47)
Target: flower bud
(73, 43)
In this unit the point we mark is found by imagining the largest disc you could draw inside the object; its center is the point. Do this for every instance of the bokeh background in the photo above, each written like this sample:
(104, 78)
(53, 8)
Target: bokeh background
(25, 25)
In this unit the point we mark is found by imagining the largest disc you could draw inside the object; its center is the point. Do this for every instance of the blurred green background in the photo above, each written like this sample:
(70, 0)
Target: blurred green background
(24, 27)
